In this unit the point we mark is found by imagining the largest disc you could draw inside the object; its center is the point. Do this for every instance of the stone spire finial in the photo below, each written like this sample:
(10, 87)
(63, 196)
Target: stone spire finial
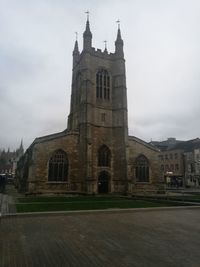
(118, 22)
(88, 13)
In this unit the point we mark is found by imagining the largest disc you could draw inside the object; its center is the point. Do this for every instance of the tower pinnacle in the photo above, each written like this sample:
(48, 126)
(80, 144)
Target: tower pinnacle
(105, 50)
(76, 52)
(119, 42)
(87, 35)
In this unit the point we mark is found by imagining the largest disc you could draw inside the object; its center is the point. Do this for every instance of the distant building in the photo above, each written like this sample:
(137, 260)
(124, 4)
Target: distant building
(166, 144)
(18, 154)
(192, 167)
(8, 160)
(180, 161)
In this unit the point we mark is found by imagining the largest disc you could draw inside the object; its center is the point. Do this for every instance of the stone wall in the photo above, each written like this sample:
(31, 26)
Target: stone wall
(38, 168)
(136, 148)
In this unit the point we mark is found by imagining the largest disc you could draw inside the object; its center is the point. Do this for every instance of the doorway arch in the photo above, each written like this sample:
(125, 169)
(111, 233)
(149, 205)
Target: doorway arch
(104, 182)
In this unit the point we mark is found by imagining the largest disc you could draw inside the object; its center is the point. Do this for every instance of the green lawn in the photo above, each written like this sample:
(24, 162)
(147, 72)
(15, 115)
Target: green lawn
(194, 198)
(39, 204)
(66, 199)
(189, 198)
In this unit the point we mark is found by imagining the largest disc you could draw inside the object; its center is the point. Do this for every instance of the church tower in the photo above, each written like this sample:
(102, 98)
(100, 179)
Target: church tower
(98, 113)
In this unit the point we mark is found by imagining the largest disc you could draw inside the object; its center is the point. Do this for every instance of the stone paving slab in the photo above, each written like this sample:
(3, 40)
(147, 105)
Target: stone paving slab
(8, 198)
(137, 239)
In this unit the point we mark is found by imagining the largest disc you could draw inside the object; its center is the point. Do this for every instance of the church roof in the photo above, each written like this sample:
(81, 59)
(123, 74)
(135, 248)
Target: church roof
(52, 136)
(142, 142)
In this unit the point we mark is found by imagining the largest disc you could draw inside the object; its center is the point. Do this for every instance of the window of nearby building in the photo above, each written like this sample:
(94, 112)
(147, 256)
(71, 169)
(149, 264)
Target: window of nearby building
(102, 85)
(189, 167)
(167, 167)
(162, 167)
(58, 167)
(175, 155)
(142, 169)
(176, 167)
(166, 156)
(171, 156)
(104, 156)
(192, 167)
(172, 167)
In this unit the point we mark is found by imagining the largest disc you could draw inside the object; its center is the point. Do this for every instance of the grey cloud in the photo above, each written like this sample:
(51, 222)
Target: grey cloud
(162, 50)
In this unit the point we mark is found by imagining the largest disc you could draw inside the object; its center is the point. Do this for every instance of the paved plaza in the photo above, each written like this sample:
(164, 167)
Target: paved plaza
(168, 237)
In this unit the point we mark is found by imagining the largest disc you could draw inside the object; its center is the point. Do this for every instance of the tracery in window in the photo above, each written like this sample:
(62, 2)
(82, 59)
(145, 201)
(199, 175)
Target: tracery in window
(142, 169)
(58, 167)
(103, 85)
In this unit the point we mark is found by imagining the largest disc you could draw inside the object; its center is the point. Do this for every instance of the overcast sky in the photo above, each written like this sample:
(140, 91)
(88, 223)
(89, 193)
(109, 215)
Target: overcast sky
(162, 52)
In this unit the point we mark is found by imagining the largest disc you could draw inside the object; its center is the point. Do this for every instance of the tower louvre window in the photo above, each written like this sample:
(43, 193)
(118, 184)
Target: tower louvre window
(58, 167)
(102, 85)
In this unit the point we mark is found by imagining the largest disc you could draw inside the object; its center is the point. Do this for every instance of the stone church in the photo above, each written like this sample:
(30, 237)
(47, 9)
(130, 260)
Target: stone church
(94, 154)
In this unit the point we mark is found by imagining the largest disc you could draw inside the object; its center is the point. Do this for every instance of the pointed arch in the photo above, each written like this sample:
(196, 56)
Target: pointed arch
(104, 156)
(142, 169)
(102, 84)
(103, 182)
(58, 167)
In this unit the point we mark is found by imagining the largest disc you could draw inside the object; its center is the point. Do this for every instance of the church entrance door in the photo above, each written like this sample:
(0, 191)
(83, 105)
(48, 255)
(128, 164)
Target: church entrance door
(103, 182)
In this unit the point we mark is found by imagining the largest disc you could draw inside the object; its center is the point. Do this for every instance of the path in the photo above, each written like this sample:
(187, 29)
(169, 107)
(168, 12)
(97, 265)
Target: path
(167, 238)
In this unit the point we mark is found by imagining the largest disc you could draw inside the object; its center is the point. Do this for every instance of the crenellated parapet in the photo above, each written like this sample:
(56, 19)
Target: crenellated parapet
(96, 52)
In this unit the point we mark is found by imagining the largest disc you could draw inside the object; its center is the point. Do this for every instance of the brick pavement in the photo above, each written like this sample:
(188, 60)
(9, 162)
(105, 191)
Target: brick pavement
(137, 239)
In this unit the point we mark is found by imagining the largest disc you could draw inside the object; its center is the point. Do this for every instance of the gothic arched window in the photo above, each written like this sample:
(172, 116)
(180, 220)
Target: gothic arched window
(102, 85)
(58, 167)
(142, 169)
(104, 156)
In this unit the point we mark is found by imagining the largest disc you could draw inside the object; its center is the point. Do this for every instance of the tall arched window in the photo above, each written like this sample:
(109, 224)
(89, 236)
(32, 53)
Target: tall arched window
(142, 169)
(102, 85)
(104, 156)
(58, 167)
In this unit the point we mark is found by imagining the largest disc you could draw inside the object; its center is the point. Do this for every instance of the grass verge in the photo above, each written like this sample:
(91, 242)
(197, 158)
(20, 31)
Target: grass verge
(43, 204)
